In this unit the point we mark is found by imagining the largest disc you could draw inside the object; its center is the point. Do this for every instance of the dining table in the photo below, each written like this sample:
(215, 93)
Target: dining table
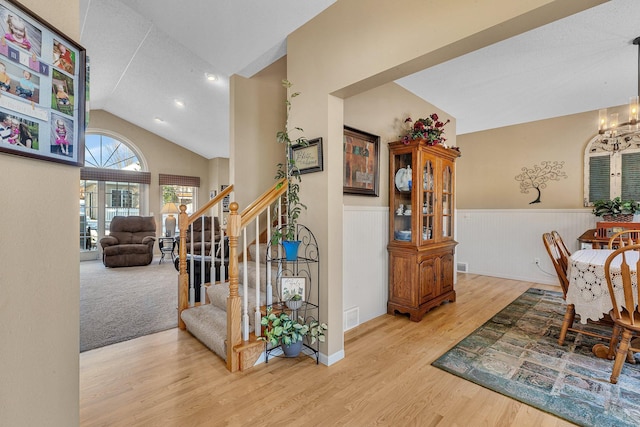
(588, 290)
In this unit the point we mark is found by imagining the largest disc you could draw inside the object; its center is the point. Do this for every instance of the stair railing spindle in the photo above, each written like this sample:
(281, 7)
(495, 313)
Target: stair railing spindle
(268, 287)
(203, 253)
(245, 288)
(257, 314)
(192, 292)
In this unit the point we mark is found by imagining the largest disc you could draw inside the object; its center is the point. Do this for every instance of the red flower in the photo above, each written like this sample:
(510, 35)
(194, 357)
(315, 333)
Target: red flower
(429, 129)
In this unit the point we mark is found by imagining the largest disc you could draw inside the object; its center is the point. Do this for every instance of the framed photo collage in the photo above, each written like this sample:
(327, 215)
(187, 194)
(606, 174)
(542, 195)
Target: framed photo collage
(42, 89)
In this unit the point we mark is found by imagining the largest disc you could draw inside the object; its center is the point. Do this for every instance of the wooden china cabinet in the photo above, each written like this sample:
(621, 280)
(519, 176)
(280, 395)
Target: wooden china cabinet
(421, 245)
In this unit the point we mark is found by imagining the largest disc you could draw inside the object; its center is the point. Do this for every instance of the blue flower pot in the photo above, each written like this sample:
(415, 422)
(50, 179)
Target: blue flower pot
(292, 350)
(291, 249)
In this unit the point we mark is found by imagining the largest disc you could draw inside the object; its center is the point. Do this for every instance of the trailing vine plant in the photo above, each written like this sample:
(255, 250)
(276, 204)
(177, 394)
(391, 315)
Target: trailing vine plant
(289, 170)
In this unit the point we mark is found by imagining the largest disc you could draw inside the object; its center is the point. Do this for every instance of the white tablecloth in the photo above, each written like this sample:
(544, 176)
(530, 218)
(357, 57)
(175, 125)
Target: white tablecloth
(588, 290)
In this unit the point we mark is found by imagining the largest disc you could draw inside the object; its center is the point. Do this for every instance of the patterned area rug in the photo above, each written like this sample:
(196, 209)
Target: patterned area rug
(516, 353)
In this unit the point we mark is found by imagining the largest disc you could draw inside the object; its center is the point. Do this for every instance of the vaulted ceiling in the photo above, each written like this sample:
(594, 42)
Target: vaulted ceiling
(146, 54)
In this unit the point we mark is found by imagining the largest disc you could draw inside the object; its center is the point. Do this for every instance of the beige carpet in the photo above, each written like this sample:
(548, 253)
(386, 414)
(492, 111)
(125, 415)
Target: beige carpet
(119, 304)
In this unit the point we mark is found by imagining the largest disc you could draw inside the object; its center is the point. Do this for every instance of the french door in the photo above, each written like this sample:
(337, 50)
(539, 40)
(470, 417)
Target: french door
(100, 201)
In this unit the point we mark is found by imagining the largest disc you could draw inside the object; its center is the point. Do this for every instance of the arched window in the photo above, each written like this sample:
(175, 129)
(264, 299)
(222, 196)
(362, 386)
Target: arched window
(114, 181)
(106, 152)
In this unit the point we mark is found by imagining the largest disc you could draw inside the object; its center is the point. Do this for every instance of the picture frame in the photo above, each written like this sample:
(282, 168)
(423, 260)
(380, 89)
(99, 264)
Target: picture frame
(291, 285)
(308, 158)
(43, 88)
(361, 162)
(225, 200)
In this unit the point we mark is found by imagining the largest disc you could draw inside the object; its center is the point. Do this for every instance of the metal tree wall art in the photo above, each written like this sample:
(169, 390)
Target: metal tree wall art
(537, 177)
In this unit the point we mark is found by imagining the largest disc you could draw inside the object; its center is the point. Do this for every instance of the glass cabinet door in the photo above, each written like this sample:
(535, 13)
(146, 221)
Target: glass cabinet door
(447, 201)
(427, 216)
(401, 197)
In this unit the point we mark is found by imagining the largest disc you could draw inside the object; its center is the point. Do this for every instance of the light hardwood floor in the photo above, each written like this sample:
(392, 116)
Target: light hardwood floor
(386, 378)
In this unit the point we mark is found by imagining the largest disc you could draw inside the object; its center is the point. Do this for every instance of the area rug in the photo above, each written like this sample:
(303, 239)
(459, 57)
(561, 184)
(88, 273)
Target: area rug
(119, 304)
(516, 353)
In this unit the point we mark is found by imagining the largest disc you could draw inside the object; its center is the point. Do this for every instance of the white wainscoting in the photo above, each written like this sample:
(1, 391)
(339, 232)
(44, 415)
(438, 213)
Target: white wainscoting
(505, 243)
(492, 242)
(365, 262)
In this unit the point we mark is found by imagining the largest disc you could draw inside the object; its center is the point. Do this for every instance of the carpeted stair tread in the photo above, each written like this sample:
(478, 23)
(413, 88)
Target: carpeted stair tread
(208, 324)
(253, 274)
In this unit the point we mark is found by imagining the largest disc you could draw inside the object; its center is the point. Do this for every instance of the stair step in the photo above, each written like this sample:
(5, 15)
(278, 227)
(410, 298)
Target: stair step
(208, 324)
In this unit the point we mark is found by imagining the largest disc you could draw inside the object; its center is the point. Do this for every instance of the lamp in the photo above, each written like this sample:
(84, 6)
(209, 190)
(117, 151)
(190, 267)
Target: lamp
(616, 136)
(170, 220)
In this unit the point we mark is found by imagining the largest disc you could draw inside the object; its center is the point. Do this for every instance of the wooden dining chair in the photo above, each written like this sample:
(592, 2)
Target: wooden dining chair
(625, 318)
(554, 251)
(624, 238)
(562, 249)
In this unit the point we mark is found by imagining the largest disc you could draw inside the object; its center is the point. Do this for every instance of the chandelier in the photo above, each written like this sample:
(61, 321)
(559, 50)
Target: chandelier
(616, 136)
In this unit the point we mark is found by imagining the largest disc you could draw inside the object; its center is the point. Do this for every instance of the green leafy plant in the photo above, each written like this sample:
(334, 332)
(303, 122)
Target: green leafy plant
(615, 207)
(289, 170)
(281, 329)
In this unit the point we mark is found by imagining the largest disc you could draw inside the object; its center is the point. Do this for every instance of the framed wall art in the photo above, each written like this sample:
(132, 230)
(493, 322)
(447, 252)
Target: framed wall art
(291, 286)
(42, 89)
(308, 158)
(361, 161)
(226, 200)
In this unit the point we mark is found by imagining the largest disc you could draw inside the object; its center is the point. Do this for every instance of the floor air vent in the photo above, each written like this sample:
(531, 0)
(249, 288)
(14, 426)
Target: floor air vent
(463, 267)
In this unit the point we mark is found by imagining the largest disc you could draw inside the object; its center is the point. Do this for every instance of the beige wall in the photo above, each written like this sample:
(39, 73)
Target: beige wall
(257, 114)
(161, 155)
(382, 111)
(491, 160)
(39, 283)
(346, 61)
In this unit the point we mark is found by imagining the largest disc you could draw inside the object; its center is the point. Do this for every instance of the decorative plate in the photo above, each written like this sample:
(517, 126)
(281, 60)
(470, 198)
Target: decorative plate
(399, 180)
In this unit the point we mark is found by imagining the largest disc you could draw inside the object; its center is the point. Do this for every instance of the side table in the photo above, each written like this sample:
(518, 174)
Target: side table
(167, 246)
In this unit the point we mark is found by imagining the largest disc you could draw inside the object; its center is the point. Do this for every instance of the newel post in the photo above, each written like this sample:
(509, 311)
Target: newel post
(234, 313)
(183, 277)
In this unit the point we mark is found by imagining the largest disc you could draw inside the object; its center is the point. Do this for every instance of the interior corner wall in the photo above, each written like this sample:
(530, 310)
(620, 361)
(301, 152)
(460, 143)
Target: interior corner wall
(257, 114)
(486, 172)
(380, 111)
(162, 155)
(40, 279)
(331, 58)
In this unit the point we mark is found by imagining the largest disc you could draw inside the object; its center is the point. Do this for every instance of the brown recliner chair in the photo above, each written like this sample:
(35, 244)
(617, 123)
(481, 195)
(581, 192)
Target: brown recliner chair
(198, 226)
(130, 241)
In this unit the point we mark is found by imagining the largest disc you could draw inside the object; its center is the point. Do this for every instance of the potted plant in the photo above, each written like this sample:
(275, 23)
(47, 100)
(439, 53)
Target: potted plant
(280, 329)
(294, 302)
(289, 170)
(616, 209)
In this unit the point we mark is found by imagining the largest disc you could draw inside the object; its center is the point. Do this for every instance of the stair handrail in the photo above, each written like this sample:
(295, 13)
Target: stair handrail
(184, 220)
(211, 203)
(264, 201)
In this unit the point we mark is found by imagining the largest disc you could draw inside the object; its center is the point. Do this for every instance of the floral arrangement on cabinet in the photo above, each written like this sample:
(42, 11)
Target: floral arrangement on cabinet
(431, 129)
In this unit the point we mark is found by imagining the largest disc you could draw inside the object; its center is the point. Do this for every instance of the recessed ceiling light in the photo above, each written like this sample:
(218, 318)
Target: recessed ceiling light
(211, 77)
(179, 102)
(158, 120)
